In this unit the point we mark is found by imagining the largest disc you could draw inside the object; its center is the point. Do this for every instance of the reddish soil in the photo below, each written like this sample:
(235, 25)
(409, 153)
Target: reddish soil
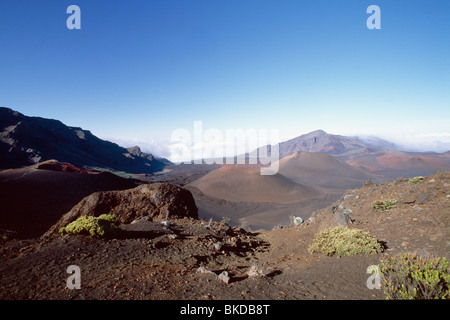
(164, 264)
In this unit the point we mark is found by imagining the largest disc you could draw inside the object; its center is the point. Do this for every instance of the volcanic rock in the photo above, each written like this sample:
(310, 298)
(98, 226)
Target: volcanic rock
(339, 219)
(158, 201)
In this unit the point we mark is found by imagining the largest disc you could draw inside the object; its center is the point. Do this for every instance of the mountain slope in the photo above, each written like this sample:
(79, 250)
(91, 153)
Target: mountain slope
(322, 170)
(392, 163)
(27, 140)
(247, 184)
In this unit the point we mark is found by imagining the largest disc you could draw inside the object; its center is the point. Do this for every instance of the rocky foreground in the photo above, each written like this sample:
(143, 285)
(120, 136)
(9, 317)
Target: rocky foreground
(167, 256)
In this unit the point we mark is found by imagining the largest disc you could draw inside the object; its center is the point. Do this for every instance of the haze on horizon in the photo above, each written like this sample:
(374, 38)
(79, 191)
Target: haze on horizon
(136, 71)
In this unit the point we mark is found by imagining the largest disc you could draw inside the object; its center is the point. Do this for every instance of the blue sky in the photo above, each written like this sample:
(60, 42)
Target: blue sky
(138, 70)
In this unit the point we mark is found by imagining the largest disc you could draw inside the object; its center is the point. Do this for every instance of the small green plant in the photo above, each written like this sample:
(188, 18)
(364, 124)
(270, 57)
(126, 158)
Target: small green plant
(383, 205)
(415, 180)
(225, 220)
(409, 277)
(3, 239)
(93, 226)
(344, 241)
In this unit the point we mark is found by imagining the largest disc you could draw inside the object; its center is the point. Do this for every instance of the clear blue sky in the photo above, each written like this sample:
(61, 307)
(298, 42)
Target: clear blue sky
(137, 70)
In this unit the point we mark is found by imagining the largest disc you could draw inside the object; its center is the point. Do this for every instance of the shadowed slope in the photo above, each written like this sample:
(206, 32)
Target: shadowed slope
(34, 198)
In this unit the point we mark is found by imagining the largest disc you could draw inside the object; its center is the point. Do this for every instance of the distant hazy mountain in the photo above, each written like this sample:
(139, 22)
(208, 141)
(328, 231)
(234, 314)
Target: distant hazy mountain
(320, 141)
(395, 163)
(28, 140)
(370, 154)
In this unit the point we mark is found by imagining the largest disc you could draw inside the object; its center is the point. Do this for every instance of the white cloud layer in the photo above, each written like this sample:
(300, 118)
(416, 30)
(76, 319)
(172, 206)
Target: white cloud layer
(423, 142)
(179, 151)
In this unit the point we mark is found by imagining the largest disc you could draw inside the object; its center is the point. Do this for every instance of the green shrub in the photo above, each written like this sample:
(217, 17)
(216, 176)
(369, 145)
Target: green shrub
(411, 277)
(382, 205)
(225, 220)
(109, 217)
(344, 241)
(93, 226)
(415, 180)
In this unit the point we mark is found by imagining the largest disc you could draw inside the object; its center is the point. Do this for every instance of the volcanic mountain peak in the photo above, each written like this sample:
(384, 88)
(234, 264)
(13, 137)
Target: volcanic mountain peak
(320, 141)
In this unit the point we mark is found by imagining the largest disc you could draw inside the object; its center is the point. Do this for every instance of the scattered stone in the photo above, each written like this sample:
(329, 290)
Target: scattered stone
(224, 277)
(342, 218)
(256, 271)
(339, 219)
(407, 198)
(166, 224)
(218, 245)
(209, 223)
(422, 198)
(203, 270)
(348, 211)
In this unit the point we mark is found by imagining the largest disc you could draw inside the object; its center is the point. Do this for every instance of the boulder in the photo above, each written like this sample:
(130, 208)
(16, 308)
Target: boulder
(342, 219)
(157, 201)
(338, 219)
